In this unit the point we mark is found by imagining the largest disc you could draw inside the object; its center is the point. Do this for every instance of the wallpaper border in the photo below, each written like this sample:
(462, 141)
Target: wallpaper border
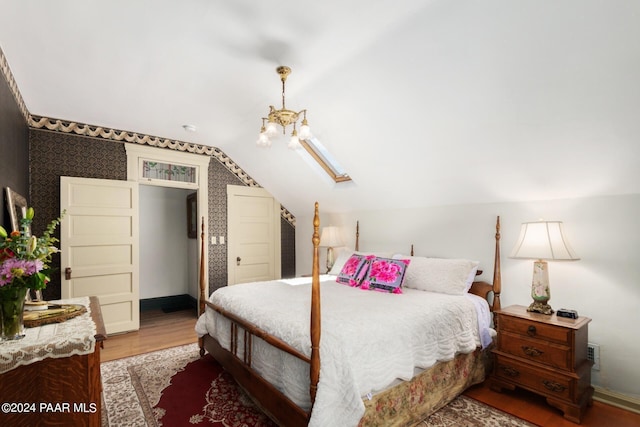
(13, 86)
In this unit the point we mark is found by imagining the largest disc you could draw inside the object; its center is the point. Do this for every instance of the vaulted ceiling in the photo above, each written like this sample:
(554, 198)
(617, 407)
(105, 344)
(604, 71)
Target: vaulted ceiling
(423, 102)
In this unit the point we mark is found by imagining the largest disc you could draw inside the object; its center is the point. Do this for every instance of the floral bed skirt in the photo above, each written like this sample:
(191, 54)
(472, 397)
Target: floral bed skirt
(412, 401)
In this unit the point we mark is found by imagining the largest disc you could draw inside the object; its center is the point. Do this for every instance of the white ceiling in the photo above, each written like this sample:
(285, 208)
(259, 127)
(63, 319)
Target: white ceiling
(423, 102)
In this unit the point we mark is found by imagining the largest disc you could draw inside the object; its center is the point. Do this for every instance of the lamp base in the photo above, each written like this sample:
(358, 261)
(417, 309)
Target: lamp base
(540, 307)
(540, 291)
(329, 259)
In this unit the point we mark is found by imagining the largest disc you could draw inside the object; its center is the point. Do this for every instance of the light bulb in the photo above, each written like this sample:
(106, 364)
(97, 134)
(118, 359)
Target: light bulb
(305, 131)
(272, 129)
(294, 142)
(263, 140)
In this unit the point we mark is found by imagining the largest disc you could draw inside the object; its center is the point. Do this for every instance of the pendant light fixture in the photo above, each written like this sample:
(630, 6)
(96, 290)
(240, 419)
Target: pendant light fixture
(284, 118)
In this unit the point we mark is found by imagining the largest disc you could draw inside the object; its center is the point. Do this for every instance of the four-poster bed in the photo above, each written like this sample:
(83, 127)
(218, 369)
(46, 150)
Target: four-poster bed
(243, 345)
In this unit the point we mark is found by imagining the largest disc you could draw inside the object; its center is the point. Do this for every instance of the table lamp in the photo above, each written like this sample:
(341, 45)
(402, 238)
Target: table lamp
(542, 241)
(330, 238)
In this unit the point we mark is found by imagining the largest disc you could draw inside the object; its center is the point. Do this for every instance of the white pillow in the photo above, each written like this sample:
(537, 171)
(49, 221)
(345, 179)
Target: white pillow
(443, 275)
(340, 261)
(471, 278)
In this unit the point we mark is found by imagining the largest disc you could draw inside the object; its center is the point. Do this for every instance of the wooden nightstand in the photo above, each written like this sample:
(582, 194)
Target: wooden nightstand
(546, 355)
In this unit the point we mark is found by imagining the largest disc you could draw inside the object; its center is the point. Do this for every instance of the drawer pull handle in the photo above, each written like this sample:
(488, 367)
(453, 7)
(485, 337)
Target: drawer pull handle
(531, 331)
(509, 371)
(553, 386)
(531, 351)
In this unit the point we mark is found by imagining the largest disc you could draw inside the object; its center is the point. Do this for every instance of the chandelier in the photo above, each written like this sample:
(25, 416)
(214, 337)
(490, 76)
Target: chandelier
(284, 118)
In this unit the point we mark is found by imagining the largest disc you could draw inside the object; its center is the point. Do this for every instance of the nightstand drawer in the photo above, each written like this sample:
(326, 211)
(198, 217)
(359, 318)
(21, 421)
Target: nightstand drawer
(535, 329)
(538, 380)
(555, 355)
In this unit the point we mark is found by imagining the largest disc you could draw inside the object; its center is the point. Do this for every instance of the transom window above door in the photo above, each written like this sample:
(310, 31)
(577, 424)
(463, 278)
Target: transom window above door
(168, 171)
(166, 168)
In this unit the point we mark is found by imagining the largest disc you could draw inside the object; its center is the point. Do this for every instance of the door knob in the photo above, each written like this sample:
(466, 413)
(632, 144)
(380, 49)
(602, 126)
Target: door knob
(238, 259)
(67, 273)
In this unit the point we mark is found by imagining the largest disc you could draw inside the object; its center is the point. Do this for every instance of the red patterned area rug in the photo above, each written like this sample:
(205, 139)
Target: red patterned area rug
(175, 387)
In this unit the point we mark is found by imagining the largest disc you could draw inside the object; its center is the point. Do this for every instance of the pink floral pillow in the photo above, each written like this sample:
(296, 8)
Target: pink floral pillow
(353, 270)
(385, 275)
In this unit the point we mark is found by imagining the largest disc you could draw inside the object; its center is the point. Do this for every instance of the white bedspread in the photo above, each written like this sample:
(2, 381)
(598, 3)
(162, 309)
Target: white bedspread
(368, 338)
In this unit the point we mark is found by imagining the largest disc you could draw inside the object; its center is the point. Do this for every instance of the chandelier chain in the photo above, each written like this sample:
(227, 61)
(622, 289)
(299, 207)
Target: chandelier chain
(283, 80)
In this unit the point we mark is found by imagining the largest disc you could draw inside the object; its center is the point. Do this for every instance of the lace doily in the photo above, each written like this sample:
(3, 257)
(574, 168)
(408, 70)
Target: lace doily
(74, 336)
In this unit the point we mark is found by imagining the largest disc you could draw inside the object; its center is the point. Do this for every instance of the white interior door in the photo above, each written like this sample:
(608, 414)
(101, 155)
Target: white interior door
(253, 247)
(99, 243)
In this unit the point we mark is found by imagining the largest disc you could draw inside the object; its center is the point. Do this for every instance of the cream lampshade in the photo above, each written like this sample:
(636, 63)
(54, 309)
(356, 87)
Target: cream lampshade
(330, 238)
(542, 241)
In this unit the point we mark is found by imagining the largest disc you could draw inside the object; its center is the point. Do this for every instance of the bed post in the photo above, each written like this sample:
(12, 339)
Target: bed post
(203, 294)
(357, 247)
(315, 309)
(497, 275)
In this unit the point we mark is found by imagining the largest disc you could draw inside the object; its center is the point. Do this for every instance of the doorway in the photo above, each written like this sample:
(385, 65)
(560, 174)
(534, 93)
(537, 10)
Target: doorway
(168, 258)
(173, 175)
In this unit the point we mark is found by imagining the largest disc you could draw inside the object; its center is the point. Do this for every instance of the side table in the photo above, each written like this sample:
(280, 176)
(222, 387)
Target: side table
(544, 354)
(56, 391)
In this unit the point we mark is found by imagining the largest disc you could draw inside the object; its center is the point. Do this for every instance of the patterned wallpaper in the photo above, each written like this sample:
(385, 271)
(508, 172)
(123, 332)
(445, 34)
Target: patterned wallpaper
(14, 133)
(55, 154)
(288, 248)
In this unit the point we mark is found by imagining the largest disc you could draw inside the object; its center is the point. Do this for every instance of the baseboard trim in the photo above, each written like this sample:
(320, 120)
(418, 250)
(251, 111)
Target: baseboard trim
(616, 399)
(169, 303)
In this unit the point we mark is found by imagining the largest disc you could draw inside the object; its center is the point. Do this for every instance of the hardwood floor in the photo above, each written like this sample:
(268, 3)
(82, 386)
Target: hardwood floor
(160, 330)
(533, 408)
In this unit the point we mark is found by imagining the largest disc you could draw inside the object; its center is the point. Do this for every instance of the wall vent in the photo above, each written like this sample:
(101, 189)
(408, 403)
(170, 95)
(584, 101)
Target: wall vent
(593, 354)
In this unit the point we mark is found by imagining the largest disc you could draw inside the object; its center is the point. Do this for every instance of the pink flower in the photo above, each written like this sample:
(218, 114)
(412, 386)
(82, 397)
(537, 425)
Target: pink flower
(397, 290)
(350, 266)
(384, 271)
(24, 258)
(365, 285)
(18, 268)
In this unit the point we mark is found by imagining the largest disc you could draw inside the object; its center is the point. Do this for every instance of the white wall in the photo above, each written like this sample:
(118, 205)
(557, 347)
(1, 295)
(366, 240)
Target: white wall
(165, 260)
(604, 285)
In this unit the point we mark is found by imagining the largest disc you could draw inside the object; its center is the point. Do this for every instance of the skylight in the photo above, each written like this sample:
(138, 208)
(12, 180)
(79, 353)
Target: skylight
(327, 162)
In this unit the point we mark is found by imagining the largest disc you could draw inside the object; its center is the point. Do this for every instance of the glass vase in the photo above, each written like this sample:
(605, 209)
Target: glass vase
(11, 312)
